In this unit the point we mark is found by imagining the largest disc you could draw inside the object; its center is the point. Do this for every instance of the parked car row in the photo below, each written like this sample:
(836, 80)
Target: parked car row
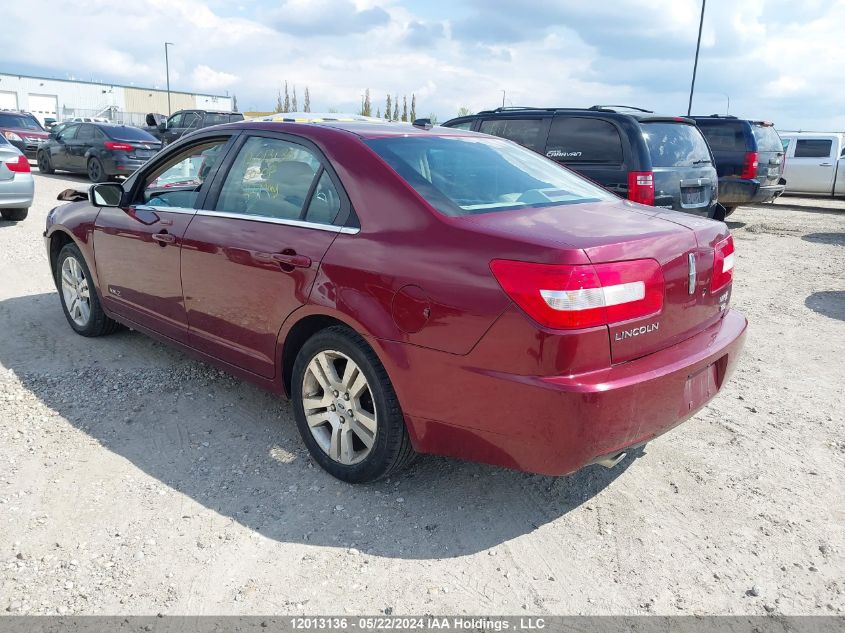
(17, 187)
(701, 165)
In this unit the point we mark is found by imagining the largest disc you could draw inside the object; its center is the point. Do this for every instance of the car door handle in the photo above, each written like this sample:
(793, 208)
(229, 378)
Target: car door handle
(292, 259)
(164, 238)
(825, 164)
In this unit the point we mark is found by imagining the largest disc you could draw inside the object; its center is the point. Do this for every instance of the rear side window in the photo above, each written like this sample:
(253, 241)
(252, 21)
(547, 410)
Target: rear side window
(675, 145)
(213, 118)
(86, 133)
(584, 140)
(465, 125)
(526, 132)
(812, 148)
(726, 136)
(767, 139)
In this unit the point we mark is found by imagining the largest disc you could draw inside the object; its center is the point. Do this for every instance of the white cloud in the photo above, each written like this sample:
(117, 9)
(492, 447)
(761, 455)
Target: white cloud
(215, 80)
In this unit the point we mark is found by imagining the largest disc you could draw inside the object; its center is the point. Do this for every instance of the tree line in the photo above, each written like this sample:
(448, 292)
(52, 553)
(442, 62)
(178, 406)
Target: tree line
(291, 104)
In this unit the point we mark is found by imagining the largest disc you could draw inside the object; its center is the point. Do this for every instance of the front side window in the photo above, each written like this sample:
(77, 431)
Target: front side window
(812, 148)
(675, 145)
(584, 140)
(68, 134)
(469, 175)
(526, 132)
(270, 178)
(177, 182)
(175, 120)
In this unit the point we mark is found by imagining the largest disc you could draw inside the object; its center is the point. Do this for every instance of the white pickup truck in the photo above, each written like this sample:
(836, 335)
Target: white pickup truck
(815, 162)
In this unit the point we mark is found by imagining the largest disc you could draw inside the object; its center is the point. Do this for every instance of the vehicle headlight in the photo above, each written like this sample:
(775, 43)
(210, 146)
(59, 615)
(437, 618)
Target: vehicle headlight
(11, 136)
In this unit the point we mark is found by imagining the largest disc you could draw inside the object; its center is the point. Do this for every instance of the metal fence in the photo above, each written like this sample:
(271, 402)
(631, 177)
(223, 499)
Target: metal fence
(112, 114)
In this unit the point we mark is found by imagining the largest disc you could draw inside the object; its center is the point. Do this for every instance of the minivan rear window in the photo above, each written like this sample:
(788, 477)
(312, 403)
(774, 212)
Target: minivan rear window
(584, 140)
(767, 139)
(675, 144)
(467, 175)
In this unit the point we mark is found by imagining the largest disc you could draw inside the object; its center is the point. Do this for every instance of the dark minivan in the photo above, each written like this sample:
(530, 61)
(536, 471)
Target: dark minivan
(101, 150)
(652, 159)
(749, 159)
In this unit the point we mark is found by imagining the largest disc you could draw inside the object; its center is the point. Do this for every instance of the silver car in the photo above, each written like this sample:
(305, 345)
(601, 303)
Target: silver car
(16, 184)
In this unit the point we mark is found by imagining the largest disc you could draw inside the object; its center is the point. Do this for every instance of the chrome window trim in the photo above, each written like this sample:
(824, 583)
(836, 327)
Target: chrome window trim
(346, 230)
(149, 207)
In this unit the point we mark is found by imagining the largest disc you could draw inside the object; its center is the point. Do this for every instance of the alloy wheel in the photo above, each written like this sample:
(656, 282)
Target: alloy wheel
(94, 171)
(76, 291)
(339, 407)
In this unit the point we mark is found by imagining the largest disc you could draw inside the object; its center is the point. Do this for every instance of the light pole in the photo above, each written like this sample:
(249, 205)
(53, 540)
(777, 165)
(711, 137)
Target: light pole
(695, 66)
(503, 98)
(167, 70)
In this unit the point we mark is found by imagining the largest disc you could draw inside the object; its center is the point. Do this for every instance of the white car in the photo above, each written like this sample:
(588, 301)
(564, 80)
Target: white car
(17, 187)
(815, 162)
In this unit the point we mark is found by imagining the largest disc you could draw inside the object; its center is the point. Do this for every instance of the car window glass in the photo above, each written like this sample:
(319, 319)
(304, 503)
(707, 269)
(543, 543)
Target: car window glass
(727, 136)
(325, 203)
(767, 139)
(177, 183)
(466, 125)
(584, 140)
(270, 178)
(19, 121)
(191, 120)
(175, 120)
(464, 175)
(86, 133)
(213, 118)
(526, 132)
(98, 134)
(812, 148)
(675, 145)
(68, 133)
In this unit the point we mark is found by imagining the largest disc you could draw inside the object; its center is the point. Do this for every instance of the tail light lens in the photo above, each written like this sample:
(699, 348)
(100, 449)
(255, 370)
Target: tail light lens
(749, 165)
(21, 165)
(723, 264)
(120, 147)
(571, 297)
(641, 187)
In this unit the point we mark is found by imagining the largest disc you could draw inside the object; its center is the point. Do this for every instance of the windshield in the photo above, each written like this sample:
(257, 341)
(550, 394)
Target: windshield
(19, 121)
(767, 139)
(467, 175)
(675, 145)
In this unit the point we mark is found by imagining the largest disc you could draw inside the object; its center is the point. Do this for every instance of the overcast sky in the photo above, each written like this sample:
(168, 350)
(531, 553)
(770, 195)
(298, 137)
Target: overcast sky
(782, 60)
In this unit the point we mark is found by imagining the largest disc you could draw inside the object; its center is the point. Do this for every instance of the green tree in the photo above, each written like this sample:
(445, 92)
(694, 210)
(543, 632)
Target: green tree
(366, 106)
(378, 112)
(306, 107)
(279, 106)
(388, 110)
(404, 107)
(413, 107)
(396, 108)
(464, 111)
(433, 118)
(286, 105)
(294, 105)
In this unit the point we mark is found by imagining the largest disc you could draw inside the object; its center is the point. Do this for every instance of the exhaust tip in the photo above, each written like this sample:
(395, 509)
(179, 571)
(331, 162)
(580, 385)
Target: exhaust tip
(610, 461)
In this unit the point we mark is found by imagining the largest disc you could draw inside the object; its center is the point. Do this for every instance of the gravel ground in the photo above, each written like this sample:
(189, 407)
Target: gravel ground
(134, 480)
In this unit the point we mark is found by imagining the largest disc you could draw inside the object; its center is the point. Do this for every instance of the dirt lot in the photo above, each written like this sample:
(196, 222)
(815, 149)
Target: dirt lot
(135, 480)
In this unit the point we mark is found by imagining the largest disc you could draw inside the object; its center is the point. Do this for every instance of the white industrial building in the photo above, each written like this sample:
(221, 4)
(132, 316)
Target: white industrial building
(62, 99)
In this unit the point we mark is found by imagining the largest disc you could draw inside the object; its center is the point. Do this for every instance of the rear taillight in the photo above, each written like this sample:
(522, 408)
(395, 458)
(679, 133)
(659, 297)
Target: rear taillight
(19, 165)
(641, 187)
(749, 165)
(570, 297)
(120, 147)
(723, 264)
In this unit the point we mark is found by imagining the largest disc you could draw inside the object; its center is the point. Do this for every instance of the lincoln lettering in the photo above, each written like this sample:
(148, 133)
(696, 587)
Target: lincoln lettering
(645, 329)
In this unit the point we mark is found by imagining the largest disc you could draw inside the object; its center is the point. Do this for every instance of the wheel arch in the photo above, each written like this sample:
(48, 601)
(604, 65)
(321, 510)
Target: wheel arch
(296, 336)
(58, 240)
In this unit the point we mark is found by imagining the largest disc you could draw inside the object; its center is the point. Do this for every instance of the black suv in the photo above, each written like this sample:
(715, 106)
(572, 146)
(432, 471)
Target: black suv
(749, 159)
(651, 159)
(186, 121)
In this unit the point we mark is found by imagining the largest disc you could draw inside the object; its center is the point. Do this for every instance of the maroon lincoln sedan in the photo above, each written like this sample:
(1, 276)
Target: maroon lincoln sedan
(411, 290)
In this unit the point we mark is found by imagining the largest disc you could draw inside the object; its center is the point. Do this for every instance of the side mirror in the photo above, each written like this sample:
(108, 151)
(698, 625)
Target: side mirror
(151, 119)
(106, 194)
(162, 127)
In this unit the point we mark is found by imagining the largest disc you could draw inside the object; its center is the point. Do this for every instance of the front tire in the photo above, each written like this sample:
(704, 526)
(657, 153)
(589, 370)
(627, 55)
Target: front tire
(14, 215)
(96, 171)
(79, 298)
(346, 409)
(44, 164)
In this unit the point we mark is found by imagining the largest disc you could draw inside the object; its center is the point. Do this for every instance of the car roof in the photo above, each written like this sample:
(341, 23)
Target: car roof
(639, 114)
(365, 129)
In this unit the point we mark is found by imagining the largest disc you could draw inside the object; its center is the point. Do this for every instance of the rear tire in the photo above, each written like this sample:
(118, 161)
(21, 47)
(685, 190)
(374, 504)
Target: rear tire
(96, 172)
(719, 212)
(359, 435)
(729, 211)
(78, 295)
(44, 164)
(14, 215)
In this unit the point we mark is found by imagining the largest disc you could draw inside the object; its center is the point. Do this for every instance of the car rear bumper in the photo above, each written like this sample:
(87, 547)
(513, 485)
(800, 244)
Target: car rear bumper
(122, 166)
(734, 192)
(18, 192)
(558, 424)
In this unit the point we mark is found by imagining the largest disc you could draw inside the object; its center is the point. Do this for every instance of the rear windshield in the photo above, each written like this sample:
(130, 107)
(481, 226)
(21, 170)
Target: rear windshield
(128, 133)
(724, 136)
(469, 175)
(675, 145)
(20, 121)
(767, 139)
